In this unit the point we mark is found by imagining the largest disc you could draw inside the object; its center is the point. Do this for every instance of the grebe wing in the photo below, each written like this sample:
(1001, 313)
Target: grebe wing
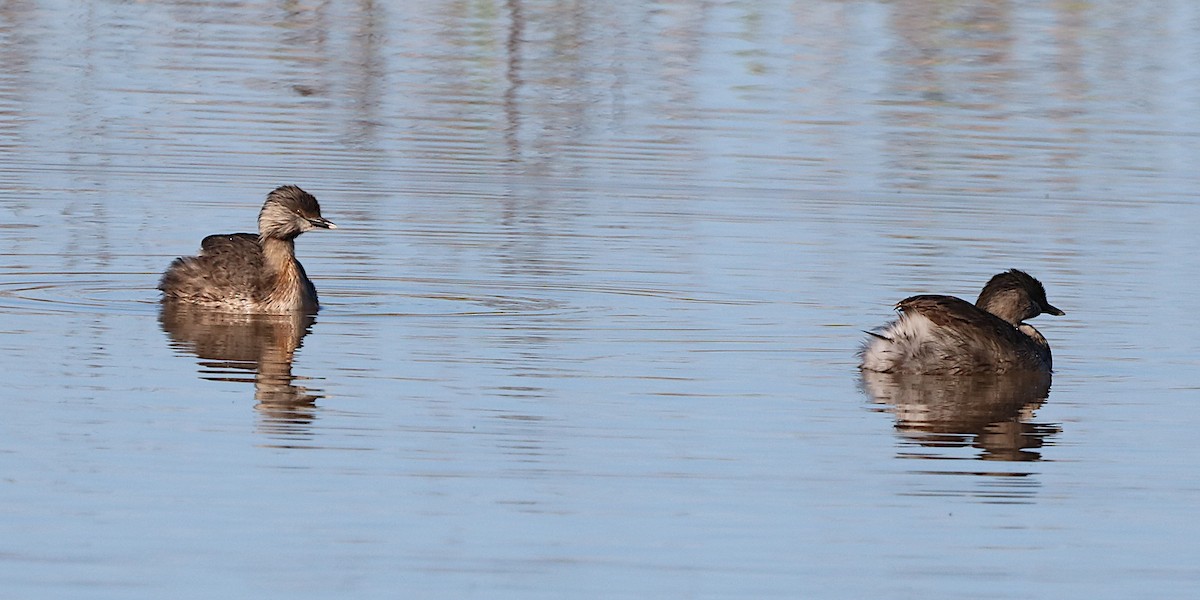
(236, 243)
(228, 266)
(964, 318)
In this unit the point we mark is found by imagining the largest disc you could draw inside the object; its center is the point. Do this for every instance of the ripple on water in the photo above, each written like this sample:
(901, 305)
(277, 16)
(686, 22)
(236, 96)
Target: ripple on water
(58, 292)
(400, 296)
(134, 293)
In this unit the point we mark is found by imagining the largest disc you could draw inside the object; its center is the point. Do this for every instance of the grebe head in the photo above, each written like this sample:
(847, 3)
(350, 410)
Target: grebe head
(288, 212)
(1015, 296)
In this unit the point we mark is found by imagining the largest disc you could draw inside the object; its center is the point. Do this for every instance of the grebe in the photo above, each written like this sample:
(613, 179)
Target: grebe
(944, 334)
(243, 272)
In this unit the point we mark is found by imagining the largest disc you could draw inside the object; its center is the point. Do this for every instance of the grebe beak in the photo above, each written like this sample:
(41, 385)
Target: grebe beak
(322, 223)
(1050, 310)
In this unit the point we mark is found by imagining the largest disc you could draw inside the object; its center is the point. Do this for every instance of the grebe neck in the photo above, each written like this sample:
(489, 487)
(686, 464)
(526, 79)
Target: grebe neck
(286, 283)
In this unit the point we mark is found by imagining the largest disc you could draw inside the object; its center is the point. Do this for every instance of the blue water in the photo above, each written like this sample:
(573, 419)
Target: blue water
(590, 317)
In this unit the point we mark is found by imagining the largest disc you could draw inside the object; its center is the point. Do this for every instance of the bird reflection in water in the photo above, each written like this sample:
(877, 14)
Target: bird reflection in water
(991, 412)
(233, 346)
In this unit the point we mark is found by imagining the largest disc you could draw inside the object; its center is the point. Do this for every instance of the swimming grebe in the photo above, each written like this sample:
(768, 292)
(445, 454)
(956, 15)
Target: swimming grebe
(944, 334)
(243, 272)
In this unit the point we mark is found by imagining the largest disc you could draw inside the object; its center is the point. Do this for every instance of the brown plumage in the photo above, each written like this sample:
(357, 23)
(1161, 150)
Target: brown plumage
(243, 272)
(944, 334)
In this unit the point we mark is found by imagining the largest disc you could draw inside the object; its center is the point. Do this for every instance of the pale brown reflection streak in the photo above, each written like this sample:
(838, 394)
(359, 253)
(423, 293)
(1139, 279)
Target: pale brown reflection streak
(15, 45)
(512, 131)
(230, 346)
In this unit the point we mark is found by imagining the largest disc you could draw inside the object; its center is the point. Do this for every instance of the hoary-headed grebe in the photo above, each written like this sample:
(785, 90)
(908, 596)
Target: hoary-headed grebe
(944, 334)
(243, 272)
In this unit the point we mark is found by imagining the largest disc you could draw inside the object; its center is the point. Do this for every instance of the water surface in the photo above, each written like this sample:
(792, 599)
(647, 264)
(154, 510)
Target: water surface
(591, 311)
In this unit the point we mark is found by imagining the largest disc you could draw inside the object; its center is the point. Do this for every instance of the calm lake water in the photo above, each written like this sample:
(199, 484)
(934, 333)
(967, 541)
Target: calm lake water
(591, 314)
